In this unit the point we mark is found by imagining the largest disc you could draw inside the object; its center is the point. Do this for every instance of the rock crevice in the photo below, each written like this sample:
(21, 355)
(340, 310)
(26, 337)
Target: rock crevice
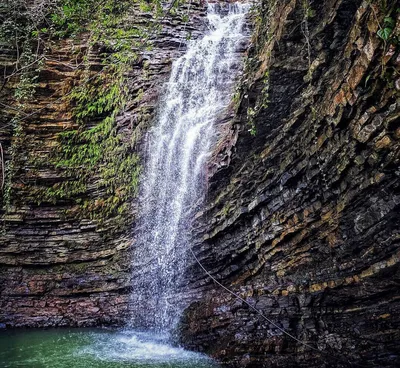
(303, 221)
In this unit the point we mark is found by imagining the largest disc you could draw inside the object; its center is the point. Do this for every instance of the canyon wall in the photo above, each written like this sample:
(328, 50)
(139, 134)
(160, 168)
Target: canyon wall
(65, 256)
(301, 218)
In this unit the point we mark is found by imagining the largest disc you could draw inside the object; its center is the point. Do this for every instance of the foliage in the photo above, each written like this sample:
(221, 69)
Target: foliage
(19, 33)
(263, 37)
(72, 16)
(389, 33)
(99, 152)
(386, 31)
(96, 155)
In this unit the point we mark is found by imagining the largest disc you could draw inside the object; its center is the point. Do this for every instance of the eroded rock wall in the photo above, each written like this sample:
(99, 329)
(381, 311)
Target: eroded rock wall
(301, 218)
(59, 266)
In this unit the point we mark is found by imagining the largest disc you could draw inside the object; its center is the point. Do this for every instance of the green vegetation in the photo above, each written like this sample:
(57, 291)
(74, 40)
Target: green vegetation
(390, 35)
(386, 31)
(97, 151)
(262, 38)
(18, 32)
(96, 159)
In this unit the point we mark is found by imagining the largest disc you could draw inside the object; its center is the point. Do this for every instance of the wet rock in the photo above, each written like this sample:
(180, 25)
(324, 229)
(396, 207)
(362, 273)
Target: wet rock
(57, 269)
(317, 244)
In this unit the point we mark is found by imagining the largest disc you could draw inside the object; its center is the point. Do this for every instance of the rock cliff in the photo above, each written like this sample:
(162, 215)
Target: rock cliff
(65, 256)
(301, 218)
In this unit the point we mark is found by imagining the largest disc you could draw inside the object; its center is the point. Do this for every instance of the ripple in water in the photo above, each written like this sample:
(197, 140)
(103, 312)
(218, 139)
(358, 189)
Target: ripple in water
(62, 348)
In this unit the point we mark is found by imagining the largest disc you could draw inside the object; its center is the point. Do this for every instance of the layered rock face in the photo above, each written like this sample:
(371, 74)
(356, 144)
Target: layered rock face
(301, 218)
(301, 214)
(59, 266)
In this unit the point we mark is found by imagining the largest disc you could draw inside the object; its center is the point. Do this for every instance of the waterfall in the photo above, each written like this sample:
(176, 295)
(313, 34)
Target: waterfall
(197, 92)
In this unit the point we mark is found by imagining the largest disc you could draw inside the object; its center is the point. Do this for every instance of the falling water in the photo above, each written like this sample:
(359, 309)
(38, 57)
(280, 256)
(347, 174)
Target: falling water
(198, 91)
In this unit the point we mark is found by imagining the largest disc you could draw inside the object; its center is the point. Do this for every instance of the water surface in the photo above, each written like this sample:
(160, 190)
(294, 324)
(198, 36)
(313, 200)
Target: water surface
(83, 348)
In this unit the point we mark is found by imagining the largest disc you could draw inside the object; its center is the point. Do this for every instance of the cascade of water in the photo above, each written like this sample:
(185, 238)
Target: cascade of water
(198, 90)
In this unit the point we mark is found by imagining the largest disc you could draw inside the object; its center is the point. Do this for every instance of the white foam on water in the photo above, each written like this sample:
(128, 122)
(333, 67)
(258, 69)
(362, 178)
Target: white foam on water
(140, 348)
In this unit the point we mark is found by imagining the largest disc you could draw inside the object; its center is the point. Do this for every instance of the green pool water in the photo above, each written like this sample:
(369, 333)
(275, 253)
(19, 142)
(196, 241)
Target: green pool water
(81, 348)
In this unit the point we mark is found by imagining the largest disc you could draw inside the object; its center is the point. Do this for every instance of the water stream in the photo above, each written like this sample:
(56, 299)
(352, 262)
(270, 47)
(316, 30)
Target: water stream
(196, 94)
(195, 97)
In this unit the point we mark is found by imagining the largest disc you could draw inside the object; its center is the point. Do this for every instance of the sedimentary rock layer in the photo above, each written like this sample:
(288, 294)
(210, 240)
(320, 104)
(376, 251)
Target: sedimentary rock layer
(301, 218)
(58, 267)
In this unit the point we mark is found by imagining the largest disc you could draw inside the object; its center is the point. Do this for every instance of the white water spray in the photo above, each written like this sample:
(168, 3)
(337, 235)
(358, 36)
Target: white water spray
(197, 93)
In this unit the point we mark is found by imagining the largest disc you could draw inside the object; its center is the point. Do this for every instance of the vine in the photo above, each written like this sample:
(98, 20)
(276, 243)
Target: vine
(19, 33)
(100, 170)
(99, 151)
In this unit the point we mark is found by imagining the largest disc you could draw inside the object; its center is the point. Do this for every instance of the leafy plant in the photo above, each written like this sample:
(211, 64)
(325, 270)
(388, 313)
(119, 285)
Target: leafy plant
(96, 152)
(385, 32)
